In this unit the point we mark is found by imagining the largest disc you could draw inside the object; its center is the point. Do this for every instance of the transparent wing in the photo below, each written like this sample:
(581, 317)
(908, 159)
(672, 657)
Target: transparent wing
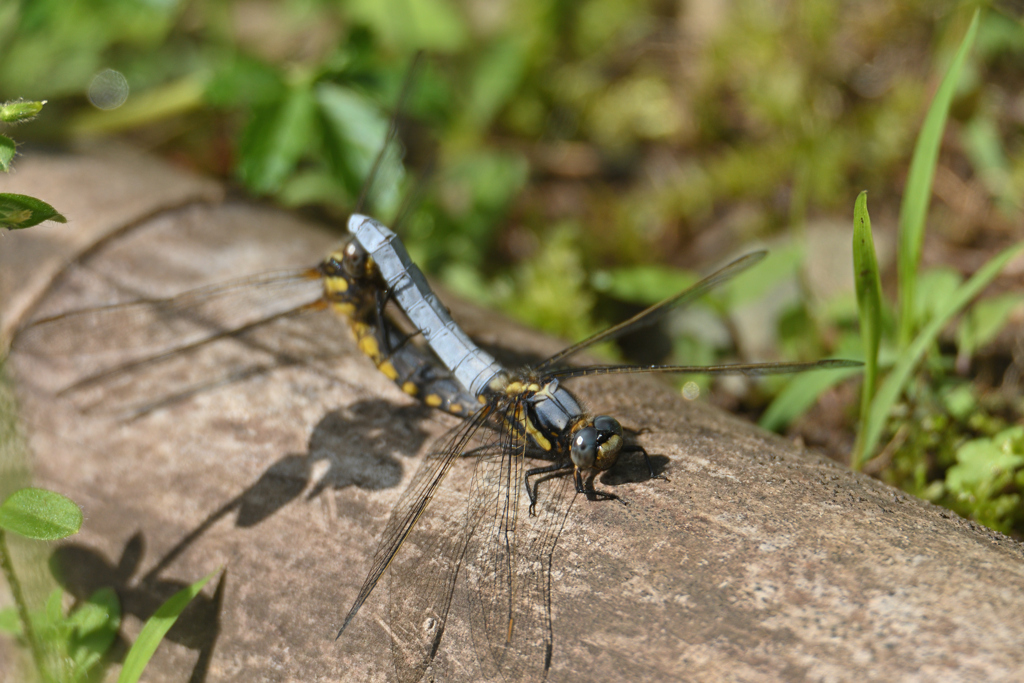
(423, 581)
(130, 357)
(148, 326)
(508, 564)
(482, 547)
(411, 505)
(651, 315)
(492, 577)
(751, 369)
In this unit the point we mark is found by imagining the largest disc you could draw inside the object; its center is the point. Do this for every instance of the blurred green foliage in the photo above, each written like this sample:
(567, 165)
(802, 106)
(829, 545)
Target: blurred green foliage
(659, 125)
(986, 481)
(578, 156)
(959, 448)
(74, 644)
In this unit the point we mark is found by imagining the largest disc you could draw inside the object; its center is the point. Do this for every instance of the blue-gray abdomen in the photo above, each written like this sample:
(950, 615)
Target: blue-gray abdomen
(472, 367)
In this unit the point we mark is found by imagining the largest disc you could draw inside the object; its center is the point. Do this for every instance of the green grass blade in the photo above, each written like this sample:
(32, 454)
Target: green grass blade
(891, 389)
(156, 628)
(799, 395)
(869, 308)
(914, 207)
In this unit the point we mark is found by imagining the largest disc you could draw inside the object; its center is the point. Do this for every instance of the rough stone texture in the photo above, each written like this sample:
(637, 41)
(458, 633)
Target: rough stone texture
(279, 455)
(100, 193)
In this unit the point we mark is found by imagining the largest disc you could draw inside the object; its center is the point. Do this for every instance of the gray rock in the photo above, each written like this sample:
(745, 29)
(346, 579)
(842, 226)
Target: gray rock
(279, 454)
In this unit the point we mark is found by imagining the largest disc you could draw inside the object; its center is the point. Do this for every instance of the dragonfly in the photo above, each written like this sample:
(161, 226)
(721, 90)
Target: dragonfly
(525, 414)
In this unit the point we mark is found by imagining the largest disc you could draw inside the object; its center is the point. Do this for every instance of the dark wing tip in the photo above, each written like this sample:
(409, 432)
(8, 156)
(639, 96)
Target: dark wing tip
(348, 619)
(840, 363)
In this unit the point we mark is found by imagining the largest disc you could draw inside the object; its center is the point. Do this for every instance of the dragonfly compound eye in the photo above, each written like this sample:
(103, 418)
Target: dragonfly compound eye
(355, 258)
(597, 446)
(584, 448)
(609, 441)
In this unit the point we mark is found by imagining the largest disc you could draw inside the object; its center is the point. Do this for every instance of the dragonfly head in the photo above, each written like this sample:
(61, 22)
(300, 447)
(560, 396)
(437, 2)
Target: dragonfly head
(351, 262)
(597, 445)
(355, 260)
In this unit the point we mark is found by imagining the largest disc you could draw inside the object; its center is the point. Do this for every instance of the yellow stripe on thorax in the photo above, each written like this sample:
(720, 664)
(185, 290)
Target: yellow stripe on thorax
(346, 309)
(524, 420)
(335, 285)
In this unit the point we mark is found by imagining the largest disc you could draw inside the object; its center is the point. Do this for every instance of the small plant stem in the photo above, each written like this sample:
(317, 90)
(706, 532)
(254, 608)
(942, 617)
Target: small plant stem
(20, 604)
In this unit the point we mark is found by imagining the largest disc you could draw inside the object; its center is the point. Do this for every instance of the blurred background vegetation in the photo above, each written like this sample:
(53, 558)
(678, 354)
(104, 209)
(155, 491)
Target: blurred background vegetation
(572, 162)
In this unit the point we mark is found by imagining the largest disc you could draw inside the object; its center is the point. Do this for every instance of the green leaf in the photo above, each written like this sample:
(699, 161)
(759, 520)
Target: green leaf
(18, 112)
(893, 386)
(496, 78)
(983, 480)
(7, 150)
(100, 612)
(275, 140)
(156, 628)
(54, 609)
(960, 401)
(982, 460)
(916, 197)
(95, 623)
(935, 286)
(984, 147)
(40, 514)
(355, 131)
(869, 301)
(550, 287)
(18, 211)
(781, 264)
(243, 80)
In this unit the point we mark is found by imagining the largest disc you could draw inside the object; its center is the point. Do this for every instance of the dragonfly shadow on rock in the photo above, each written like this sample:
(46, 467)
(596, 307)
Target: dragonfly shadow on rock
(82, 570)
(632, 468)
(349, 441)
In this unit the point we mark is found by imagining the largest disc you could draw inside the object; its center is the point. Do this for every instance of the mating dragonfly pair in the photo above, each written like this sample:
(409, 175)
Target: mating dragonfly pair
(510, 416)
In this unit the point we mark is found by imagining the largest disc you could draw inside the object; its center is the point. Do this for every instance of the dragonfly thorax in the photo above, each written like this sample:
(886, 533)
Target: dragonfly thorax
(549, 413)
(597, 445)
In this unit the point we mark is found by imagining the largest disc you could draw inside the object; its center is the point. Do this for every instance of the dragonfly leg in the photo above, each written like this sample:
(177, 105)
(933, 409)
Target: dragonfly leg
(637, 448)
(592, 493)
(532, 492)
(388, 349)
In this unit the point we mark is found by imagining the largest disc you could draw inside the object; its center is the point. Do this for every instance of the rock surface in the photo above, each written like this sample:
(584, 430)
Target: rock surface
(279, 454)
